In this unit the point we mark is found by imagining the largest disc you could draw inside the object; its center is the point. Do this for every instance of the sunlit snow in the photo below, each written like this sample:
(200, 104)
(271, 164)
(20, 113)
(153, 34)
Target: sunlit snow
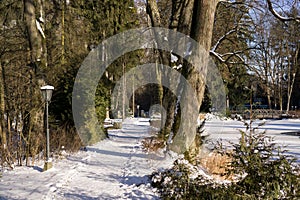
(118, 168)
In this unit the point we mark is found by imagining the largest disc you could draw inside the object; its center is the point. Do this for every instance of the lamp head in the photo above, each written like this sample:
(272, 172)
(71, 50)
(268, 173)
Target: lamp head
(47, 92)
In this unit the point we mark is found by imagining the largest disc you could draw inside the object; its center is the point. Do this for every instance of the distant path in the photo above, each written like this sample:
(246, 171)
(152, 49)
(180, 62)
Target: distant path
(115, 168)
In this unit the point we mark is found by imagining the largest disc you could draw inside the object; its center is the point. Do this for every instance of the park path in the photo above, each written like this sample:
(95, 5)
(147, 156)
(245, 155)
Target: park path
(116, 168)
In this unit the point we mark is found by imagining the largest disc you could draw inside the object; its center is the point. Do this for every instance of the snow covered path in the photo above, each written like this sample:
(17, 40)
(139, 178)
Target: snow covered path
(115, 168)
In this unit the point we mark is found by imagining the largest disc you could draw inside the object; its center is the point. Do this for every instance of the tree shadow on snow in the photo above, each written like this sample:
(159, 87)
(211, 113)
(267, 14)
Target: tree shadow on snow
(120, 154)
(77, 195)
(135, 180)
(134, 183)
(37, 168)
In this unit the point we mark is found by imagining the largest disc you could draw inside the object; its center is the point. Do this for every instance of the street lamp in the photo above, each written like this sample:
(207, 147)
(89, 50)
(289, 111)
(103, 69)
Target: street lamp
(138, 110)
(47, 94)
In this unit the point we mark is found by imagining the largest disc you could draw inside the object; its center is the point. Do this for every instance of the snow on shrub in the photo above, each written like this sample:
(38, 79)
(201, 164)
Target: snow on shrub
(184, 181)
(263, 171)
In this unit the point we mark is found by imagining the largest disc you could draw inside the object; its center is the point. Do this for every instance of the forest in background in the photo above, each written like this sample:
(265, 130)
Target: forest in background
(255, 44)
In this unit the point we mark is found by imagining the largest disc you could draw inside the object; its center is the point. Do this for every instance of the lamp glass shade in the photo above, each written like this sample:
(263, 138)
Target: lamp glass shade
(47, 92)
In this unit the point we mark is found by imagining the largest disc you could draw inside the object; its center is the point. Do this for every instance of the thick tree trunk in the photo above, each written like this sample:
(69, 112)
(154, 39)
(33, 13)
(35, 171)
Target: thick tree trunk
(181, 16)
(201, 31)
(167, 100)
(35, 41)
(153, 12)
(3, 139)
(203, 22)
(181, 22)
(36, 37)
(200, 14)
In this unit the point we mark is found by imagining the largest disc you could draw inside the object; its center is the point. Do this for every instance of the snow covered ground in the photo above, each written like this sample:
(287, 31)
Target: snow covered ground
(118, 168)
(281, 130)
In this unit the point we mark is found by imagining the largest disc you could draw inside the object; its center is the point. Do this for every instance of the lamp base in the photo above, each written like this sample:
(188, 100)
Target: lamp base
(48, 165)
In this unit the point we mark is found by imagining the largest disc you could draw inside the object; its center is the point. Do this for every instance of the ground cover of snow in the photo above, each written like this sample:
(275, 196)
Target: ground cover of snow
(281, 130)
(118, 168)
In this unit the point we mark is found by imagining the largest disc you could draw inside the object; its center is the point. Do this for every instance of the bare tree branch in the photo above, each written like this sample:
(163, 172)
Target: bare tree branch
(217, 55)
(230, 2)
(278, 16)
(222, 38)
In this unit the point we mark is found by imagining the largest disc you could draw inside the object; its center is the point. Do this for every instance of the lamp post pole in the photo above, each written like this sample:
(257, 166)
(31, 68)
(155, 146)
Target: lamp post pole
(47, 134)
(133, 96)
(47, 94)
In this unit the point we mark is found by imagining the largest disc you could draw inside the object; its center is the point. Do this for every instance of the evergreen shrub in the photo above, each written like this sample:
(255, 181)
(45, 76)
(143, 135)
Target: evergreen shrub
(261, 170)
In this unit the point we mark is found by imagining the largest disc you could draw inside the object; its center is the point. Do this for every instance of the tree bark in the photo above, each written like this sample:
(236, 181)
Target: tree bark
(35, 42)
(167, 99)
(200, 14)
(203, 22)
(292, 77)
(4, 142)
(38, 62)
(201, 31)
(3, 139)
(153, 12)
(180, 21)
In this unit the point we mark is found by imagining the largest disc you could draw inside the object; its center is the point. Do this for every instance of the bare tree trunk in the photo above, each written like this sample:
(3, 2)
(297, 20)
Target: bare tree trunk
(181, 21)
(291, 82)
(201, 31)
(4, 142)
(269, 95)
(203, 22)
(38, 55)
(266, 73)
(34, 39)
(36, 36)
(63, 32)
(3, 138)
(280, 91)
(168, 99)
(153, 12)
(201, 14)
(123, 93)
(160, 92)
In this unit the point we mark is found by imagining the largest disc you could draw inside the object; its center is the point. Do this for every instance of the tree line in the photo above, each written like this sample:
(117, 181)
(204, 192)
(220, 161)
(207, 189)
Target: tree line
(253, 42)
